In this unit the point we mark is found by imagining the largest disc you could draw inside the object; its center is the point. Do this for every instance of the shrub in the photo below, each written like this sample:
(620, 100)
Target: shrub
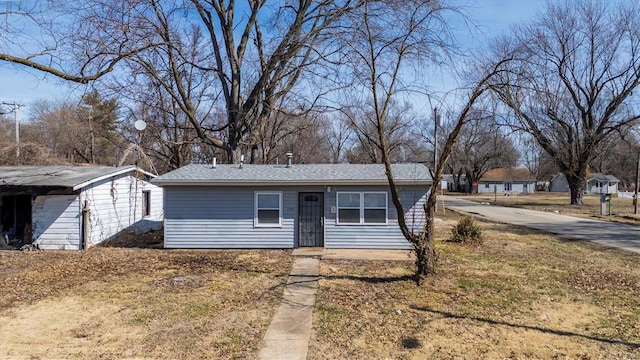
(466, 231)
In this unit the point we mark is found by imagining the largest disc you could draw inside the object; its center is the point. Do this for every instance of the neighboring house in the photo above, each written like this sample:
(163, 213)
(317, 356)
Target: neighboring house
(289, 206)
(597, 183)
(507, 180)
(74, 207)
(452, 185)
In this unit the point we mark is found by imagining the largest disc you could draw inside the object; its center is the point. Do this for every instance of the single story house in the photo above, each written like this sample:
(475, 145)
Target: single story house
(597, 183)
(74, 207)
(290, 206)
(507, 180)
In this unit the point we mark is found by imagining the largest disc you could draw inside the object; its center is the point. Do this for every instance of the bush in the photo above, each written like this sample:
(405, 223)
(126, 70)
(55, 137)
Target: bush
(466, 231)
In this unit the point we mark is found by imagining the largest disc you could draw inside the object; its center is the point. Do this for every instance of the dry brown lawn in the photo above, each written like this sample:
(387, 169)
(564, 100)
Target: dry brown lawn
(520, 295)
(622, 210)
(117, 303)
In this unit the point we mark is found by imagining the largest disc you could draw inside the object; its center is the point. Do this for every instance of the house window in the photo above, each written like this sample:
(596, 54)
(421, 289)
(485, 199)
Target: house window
(507, 186)
(486, 185)
(268, 206)
(362, 207)
(146, 203)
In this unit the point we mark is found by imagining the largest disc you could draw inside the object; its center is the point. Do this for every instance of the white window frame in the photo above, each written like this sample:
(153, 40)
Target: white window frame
(255, 209)
(362, 208)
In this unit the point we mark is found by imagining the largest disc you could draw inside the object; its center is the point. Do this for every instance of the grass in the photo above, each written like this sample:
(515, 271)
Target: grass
(622, 210)
(522, 294)
(114, 303)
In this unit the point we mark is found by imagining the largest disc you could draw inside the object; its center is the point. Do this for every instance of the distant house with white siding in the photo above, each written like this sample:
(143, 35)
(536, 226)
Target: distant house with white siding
(74, 207)
(597, 183)
(290, 206)
(507, 180)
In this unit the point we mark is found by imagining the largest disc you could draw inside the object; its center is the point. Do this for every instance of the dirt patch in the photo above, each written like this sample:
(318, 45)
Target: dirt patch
(152, 239)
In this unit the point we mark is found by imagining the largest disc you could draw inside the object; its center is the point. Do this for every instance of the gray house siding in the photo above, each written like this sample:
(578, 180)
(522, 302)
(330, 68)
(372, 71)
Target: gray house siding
(559, 184)
(384, 236)
(223, 217)
(56, 222)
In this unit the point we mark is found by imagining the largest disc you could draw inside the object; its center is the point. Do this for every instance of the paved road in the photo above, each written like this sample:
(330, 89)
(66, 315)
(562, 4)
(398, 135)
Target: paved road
(602, 232)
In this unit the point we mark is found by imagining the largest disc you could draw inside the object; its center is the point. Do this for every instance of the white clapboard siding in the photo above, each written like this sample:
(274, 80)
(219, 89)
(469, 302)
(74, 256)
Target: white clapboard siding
(56, 222)
(115, 204)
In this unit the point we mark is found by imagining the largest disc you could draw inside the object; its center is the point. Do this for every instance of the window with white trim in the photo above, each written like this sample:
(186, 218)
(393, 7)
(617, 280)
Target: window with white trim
(507, 186)
(365, 207)
(268, 209)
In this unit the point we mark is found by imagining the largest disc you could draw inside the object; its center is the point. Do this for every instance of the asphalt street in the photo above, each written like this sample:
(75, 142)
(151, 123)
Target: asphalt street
(602, 232)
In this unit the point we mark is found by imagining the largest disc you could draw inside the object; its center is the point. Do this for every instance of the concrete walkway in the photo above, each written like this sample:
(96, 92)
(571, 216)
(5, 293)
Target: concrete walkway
(622, 236)
(288, 335)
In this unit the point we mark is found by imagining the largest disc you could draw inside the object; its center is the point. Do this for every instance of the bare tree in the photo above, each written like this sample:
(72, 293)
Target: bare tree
(301, 134)
(399, 134)
(83, 132)
(388, 38)
(619, 156)
(257, 52)
(536, 160)
(482, 146)
(573, 84)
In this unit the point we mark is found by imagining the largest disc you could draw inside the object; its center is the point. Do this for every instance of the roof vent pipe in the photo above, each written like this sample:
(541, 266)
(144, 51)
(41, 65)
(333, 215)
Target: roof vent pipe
(241, 161)
(289, 159)
(214, 162)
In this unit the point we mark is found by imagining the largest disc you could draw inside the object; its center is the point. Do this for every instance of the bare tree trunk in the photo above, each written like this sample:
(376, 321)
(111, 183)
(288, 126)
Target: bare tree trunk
(576, 187)
(425, 248)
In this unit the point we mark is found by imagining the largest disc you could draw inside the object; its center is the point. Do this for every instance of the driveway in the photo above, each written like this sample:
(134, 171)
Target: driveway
(605, 233)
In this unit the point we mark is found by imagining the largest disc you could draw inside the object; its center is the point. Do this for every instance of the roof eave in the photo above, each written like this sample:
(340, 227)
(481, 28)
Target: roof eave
(121, 171)
(284, 182)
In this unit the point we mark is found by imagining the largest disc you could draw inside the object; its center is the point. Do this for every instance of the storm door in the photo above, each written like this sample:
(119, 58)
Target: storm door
(311, 219)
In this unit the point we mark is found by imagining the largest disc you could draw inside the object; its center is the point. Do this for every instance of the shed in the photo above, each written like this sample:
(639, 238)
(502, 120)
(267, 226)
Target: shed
(507, 180)
(73, 207)
(289, 206)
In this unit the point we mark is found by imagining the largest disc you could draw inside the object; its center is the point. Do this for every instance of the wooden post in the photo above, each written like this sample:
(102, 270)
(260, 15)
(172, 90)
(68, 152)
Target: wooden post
(85, 225)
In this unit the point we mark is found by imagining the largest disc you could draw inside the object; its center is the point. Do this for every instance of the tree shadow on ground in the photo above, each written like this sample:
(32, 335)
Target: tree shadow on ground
(450, 315)
(371, 279)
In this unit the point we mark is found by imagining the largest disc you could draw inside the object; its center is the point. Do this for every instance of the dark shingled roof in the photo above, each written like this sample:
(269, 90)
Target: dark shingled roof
(302, 174)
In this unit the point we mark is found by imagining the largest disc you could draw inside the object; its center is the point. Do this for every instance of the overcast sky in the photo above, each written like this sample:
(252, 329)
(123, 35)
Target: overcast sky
(491, 18)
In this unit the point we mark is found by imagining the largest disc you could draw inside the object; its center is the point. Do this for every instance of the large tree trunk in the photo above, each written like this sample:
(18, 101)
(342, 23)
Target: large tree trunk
(424, 245)
(576, 187)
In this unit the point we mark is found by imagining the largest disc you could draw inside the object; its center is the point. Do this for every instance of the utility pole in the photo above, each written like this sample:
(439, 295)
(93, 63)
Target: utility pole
(635, 197)
(437, 121)
(16, 106)
(435, 139)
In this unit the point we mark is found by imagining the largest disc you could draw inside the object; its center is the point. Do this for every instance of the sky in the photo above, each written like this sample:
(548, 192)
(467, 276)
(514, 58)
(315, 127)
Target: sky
(490, 17)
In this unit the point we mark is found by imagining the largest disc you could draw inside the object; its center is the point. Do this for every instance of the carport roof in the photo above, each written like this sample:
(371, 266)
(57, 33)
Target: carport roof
(75, 177)
(297, 174)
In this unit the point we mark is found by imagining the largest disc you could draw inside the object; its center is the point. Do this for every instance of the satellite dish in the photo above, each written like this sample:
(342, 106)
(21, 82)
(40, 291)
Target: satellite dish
(140, 125)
